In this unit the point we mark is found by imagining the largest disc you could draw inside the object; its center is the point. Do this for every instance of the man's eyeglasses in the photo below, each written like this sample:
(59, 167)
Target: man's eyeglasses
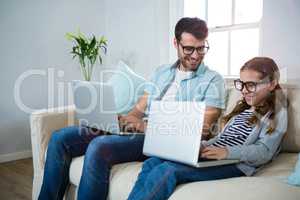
(250, 86)
(189, 50)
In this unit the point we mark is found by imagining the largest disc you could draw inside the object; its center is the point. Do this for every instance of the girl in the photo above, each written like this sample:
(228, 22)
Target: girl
(252, 134)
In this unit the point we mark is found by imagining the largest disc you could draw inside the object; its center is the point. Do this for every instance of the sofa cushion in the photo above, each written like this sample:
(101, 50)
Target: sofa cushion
(232, 96)
(246, 188)
(291, 142)
(123, 177)
(280, 167)
(128, 87)
(76, 170)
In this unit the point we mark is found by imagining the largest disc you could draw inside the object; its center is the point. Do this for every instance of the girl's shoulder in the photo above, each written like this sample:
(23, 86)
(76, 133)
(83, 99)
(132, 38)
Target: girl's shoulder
(282, 114)
(280, 120)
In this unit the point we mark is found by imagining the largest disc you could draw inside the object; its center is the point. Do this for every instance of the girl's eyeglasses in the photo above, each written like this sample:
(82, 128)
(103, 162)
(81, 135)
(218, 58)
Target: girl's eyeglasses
(250, 86)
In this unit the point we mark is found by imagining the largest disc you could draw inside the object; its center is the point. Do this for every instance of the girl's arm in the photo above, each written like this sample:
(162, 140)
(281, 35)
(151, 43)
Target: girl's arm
(205, 143)
(265, 147)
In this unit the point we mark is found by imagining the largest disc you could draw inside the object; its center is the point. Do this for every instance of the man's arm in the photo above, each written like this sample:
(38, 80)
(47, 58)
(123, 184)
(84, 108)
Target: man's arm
(133, 121)
(214, 98)
(140, 107)
(211, 116)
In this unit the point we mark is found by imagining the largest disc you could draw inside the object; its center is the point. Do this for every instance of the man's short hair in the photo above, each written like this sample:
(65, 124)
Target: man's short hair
(194, 26)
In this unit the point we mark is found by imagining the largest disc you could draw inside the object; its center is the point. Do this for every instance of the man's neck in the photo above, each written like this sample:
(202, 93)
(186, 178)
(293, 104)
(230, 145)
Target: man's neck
(182, 68)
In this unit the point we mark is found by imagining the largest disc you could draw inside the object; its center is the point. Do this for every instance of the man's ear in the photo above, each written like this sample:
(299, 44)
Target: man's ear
(175, 43)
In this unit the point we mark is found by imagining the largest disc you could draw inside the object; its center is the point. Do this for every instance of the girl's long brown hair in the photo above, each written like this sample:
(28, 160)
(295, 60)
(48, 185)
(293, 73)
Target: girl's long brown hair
(269, 71)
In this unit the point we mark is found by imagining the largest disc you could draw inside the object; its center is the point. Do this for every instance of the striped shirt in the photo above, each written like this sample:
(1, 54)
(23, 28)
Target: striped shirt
(238, 132)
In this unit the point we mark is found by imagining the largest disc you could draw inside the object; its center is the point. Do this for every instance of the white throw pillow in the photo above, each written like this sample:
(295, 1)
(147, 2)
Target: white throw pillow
(128, 87)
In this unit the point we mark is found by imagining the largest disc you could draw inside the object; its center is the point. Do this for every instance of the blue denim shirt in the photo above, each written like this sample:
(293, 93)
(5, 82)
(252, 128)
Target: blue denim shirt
(203, 85)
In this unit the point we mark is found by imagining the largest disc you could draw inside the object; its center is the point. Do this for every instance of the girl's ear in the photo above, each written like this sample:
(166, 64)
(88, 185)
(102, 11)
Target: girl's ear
(273, 85)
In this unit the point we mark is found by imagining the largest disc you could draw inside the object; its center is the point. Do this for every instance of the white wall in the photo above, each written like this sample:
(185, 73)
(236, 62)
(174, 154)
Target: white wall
(280, 36)
(32, 37)
(139, 33)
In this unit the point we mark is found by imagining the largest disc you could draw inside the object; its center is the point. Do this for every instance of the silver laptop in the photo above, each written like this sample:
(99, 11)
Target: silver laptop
(95, 106)
(174, 133)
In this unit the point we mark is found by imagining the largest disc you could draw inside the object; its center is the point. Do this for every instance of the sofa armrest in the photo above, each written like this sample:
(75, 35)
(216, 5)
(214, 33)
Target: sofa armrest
(42, 124)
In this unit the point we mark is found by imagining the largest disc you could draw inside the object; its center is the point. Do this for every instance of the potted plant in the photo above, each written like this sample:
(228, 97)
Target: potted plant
(88, 50)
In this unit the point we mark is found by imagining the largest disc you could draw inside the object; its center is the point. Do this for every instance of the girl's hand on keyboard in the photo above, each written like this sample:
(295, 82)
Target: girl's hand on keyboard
(211, 152)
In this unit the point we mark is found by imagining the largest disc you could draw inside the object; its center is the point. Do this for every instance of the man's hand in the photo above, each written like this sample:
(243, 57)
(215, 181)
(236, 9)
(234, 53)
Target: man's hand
(218, 153)
(130, 123)
(133, 121)
(211, 116)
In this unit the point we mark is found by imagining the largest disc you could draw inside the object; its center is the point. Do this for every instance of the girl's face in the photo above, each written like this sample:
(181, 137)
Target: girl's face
(258, 90)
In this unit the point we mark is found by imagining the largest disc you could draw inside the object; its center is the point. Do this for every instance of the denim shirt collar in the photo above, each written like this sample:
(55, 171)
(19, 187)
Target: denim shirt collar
(200, 70)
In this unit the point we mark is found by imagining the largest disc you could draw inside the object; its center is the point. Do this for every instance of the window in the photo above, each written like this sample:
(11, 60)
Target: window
(233, 31)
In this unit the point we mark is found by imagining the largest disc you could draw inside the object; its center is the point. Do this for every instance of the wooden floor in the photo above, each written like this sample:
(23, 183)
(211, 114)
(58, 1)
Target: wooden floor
(16, 180)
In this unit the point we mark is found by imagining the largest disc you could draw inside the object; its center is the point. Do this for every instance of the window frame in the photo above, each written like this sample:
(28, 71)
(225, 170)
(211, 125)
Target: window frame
(177, 11)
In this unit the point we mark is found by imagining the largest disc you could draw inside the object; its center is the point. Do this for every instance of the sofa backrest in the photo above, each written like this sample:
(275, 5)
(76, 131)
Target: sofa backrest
(291, 141)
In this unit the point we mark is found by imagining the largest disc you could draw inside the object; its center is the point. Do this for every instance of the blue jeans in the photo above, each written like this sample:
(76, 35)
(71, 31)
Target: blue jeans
(101, 152)
(159, 178)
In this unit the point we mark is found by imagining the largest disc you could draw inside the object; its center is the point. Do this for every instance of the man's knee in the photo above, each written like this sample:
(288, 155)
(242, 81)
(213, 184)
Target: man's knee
(61, 136)
(100, 149)
(152, 162)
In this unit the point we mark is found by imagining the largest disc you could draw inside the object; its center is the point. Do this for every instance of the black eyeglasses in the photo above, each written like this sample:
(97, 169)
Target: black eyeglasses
(250, 86)
(189, 50)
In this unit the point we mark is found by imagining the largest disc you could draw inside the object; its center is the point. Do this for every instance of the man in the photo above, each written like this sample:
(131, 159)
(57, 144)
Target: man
(199, 83)
(186, 80)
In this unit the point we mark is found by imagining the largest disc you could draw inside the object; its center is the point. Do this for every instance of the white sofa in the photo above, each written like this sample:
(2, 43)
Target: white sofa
(270, 183)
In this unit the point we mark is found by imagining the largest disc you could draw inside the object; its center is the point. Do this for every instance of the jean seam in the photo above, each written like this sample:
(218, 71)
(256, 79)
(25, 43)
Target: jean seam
(159, 185)
(62, 181)
(64, 164)
(165, 179)
(149, 170)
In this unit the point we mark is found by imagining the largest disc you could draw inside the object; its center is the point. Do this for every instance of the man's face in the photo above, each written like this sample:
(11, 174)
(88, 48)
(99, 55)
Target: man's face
(189, 62)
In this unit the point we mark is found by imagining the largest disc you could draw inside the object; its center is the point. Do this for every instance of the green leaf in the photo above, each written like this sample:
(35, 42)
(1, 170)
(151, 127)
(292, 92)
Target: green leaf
(87, 50)
(93, 43)
(80, 35)
(69, 36)
(103, 40)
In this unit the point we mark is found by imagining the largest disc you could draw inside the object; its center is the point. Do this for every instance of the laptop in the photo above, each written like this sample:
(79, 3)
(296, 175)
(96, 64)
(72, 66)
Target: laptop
(174, 133)
(95, 106)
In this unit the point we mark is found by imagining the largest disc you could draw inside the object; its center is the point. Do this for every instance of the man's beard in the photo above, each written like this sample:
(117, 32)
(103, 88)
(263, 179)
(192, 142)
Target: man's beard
(187, 64)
